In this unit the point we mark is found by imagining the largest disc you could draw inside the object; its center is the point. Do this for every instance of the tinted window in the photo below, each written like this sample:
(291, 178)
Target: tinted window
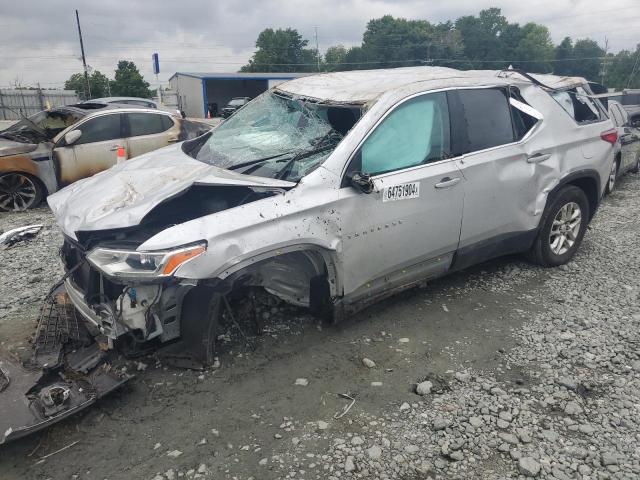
(416, 132)
(145, 124)
(100, 129)
(488, 118)
(167, 123)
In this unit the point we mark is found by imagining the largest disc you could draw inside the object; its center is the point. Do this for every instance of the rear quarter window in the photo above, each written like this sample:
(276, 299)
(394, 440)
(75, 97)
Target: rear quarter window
(578, 105)
(146, 124)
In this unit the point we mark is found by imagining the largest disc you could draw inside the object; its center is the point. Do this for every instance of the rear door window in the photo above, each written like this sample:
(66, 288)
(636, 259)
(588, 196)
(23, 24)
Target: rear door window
(415, 133)
(146, 124)
(100, 129)
(488, 118)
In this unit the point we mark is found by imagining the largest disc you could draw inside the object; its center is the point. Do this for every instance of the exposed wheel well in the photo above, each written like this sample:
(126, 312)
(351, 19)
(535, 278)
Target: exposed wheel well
(590, 187)
(302, 277)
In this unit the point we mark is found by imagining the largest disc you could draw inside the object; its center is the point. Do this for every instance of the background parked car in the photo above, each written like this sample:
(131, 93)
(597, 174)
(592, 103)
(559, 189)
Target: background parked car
(627, 153)
(53, 148)
(235, 104)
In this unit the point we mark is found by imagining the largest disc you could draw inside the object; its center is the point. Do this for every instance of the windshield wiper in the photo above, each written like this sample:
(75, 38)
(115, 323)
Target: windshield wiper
(284, 171)
(259, 160)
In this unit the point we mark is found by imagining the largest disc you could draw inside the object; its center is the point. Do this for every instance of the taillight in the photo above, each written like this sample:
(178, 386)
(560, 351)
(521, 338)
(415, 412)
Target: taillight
(610, 136)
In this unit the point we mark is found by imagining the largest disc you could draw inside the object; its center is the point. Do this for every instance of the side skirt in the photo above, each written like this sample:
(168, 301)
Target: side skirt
(505, 244)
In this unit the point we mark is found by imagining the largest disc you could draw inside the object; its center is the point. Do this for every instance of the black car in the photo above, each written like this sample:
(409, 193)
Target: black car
(233, 105)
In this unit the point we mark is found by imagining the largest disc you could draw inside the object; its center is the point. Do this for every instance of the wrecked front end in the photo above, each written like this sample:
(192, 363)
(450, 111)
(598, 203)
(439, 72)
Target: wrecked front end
(131, 314)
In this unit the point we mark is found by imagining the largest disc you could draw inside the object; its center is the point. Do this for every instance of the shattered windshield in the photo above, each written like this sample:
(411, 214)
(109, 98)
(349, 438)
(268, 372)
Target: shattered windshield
(42, 126)
(277, 137)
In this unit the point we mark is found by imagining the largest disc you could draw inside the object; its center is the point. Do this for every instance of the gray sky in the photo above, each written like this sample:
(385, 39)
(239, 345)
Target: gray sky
(39, 42)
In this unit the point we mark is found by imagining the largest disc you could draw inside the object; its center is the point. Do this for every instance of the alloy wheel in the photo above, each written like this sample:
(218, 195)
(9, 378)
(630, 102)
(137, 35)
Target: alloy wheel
(565, 228)
(17, 192)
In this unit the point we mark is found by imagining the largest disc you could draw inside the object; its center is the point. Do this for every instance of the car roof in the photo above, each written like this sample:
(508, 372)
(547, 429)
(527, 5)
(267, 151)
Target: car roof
(119, 99)
(364, 86)
(122, 108)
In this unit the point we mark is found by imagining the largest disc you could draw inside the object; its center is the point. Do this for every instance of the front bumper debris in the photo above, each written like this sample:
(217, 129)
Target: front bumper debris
(69, 371)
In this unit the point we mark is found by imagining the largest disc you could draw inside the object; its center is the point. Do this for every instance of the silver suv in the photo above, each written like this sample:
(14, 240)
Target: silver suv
(331, 192)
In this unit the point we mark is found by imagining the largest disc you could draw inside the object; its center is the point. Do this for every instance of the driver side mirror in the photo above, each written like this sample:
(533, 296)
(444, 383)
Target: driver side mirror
(361, 181)
(72, 137)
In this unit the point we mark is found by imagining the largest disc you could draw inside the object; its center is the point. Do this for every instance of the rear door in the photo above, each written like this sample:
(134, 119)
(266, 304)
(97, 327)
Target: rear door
(93, 152)
(500, 177)
(147, 131)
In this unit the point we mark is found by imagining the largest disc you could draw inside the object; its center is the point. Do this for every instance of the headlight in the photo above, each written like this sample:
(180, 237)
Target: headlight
(126, 263)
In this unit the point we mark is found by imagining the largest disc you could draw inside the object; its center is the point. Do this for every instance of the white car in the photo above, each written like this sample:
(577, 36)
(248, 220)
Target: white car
(330, 192)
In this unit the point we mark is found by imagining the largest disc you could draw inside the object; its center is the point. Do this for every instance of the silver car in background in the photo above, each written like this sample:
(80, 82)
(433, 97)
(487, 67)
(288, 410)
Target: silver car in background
(626, 157)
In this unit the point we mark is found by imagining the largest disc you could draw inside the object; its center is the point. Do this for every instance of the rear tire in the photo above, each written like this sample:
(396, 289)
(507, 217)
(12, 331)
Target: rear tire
(19, 191)
(562, 227)
(613, 177)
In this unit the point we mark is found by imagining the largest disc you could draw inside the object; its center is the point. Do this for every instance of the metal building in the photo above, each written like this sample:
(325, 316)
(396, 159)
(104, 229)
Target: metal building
(197, 91)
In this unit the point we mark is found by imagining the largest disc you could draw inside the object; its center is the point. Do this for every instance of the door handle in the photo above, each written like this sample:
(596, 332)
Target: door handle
(538, 157)
(172, 140)
(114, 148)
(447, 182)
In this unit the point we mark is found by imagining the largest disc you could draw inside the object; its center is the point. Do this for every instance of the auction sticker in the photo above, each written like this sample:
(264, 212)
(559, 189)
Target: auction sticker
(403, 191)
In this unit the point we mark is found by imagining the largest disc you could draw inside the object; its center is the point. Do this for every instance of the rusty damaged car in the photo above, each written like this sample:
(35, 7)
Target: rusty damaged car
(327, 192)
(54, 148)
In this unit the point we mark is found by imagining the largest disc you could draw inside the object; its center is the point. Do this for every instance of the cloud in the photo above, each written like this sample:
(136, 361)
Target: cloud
(40, 43)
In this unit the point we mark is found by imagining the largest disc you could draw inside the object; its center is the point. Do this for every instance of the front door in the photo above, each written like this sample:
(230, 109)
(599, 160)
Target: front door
(408, 228)
(93, 152)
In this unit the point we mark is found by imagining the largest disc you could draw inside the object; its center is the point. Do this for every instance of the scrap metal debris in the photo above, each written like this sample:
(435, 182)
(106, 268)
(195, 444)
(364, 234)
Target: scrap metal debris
(11, 237)
(347, 408)
(67, 373)
(42, 459)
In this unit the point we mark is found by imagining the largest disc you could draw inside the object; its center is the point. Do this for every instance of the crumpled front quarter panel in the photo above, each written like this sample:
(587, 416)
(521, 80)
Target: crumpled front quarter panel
(307, 215)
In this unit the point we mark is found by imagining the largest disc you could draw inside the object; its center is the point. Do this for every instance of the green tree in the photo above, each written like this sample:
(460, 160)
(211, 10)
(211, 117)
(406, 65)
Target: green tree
(98, 83)
(588, 59)
(564, 57)
(620, 70)
(282, 51)
(129, 81)
(534, 52)
(335, 58)
(355, 59)
(481, 38)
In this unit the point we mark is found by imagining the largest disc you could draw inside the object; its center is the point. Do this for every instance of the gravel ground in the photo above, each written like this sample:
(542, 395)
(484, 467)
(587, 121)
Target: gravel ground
(519, 372)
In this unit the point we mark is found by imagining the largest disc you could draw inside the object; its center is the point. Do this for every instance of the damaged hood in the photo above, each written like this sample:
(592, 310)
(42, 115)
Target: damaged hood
(11, 147)
(121, 196)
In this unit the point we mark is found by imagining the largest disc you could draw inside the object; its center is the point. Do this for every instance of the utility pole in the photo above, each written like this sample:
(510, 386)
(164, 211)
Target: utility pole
(84, 60)
(315, 28)
(604, 61)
